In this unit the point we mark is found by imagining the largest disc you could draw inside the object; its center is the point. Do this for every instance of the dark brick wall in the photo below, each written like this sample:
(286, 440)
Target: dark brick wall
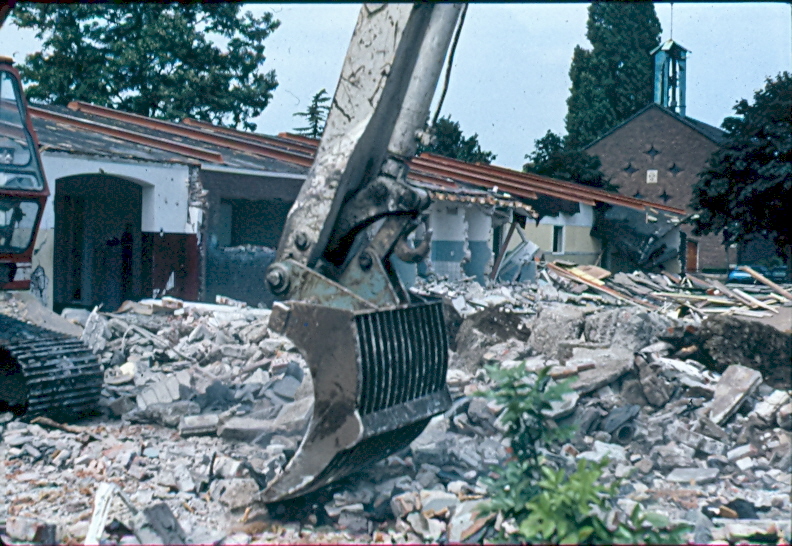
(657, 141)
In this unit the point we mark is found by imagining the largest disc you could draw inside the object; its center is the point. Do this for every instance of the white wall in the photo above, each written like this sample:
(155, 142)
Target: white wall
(165, 188)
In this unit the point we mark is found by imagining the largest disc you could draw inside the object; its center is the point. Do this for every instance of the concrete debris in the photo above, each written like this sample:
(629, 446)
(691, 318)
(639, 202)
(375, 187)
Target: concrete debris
(204, 406)
(734, 386)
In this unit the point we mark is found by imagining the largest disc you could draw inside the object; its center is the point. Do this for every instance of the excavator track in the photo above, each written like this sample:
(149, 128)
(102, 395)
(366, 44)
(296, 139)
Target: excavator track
(44, 373)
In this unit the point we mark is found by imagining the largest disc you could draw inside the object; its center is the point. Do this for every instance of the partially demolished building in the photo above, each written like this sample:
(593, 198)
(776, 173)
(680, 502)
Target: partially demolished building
(148, 208)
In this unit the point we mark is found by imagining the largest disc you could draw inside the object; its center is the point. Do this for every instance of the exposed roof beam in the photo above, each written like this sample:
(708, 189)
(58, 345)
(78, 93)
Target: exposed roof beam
(236, 142)
(131, 136)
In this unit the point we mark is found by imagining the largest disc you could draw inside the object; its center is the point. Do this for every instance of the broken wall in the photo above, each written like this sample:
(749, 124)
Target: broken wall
(577, 244)
(461, 240)
(245, 215)
(163, 206)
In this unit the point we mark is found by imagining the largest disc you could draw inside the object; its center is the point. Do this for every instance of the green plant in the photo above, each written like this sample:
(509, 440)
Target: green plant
(543, 504)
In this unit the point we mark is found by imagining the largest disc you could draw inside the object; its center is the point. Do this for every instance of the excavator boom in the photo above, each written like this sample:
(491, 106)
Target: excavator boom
(378, 355)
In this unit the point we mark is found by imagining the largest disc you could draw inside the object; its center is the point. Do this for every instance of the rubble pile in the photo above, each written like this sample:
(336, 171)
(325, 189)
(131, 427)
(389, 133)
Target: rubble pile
(203, 406)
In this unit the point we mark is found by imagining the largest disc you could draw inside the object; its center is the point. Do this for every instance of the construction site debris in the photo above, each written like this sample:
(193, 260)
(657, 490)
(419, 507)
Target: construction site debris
(204, 406)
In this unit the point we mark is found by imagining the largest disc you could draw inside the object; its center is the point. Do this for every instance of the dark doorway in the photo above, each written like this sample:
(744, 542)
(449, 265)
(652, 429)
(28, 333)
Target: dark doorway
(97, 242)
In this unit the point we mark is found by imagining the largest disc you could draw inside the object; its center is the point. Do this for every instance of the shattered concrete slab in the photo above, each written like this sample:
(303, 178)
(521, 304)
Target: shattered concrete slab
(734, 386)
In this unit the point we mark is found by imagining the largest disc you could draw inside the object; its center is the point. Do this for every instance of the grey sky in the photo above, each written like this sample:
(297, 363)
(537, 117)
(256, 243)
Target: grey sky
(510, 78)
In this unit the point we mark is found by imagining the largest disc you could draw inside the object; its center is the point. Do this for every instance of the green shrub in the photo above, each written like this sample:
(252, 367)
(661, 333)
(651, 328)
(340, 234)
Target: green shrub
(542, 504)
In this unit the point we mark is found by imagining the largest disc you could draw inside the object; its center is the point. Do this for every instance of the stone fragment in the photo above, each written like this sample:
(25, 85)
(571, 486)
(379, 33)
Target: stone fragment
(631, 328)
(235, 493)
(681, 433)
(512, 349)
(184, 479)
(554, 324)
(96, 333)
(403, 504)
(745, 463)
(564, 407)
(631, 392)
(602, 450)
(199, 425)
(168, 415)
(479, 412)
(28, 530)
(672, 455)
(354, 523)
(286, 387)
(645, 465)
(734, 386)
(466, 522)
(157, 525)
(428, 528)
(656, 388)
(609, 366)
(430, 445)
(693, 476)
(162, 392)
(122, 405)
(294, 417)
(437, 503)
(739, 452)
(767, 409)
(784, 417)
(243, 429)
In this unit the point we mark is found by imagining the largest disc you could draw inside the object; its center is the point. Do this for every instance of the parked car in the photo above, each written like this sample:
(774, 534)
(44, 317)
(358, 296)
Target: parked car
(775, 274)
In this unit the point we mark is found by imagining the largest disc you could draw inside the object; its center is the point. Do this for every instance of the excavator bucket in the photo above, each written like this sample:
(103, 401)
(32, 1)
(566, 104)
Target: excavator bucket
(378, 375)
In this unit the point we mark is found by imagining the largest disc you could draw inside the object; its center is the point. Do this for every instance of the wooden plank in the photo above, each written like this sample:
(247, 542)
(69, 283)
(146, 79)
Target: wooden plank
(701, 283)
(595, 271)
(754, 300)
(767, 282)
(583, 275)
(673, 277)
(607, 290)
(725, 290)
(710, 299)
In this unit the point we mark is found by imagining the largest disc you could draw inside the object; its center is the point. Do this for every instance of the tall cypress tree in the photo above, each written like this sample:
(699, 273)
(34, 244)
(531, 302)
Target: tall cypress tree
(614, 79)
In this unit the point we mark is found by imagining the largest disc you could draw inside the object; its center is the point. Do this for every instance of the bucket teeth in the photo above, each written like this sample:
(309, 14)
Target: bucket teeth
(378, 376)
(44, 373)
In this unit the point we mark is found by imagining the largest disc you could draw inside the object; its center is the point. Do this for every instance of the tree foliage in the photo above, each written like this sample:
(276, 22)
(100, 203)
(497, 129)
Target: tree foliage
(450, 142)
(746, 188)
(614, 79)
(315, 115)
(159, 60)
(551, 157)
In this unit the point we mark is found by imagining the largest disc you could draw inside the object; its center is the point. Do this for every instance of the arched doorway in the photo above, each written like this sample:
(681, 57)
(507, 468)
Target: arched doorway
(97, 241)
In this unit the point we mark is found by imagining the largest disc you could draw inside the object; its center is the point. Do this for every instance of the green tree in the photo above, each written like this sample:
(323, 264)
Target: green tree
(160, 60)
(746, 188)
(450, 142)
(614, 79)
(315, 115)
(551, 157)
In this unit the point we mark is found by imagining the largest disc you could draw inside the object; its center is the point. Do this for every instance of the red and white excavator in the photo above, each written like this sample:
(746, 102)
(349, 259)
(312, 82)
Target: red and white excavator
(377, 353)
(41, 372)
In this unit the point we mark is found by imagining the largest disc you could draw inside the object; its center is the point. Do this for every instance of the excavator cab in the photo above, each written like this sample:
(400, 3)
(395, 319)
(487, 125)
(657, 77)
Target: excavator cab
(23, 189)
